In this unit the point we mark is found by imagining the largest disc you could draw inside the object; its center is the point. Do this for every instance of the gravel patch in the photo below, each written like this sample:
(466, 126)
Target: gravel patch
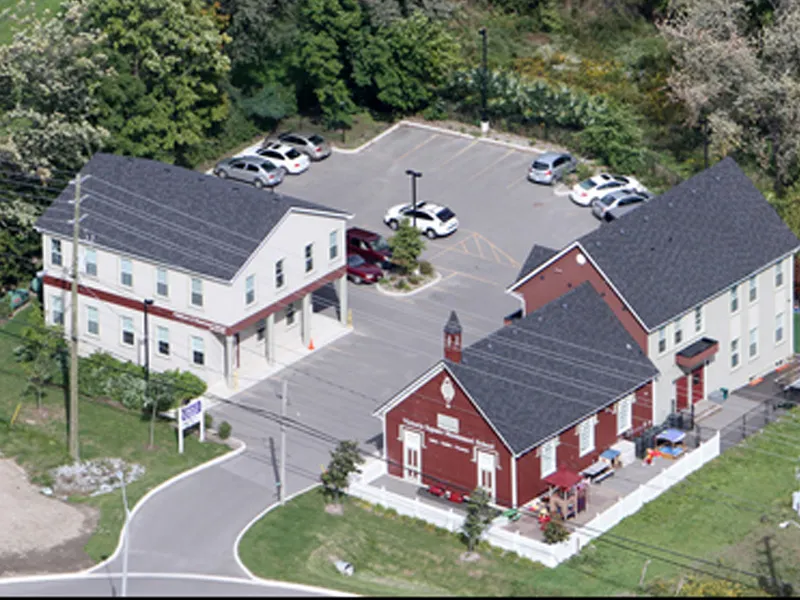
(32, 522)
(92, 477)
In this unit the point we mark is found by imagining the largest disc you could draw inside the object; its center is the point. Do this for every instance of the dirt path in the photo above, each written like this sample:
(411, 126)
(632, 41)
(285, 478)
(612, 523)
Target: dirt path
(39, 534)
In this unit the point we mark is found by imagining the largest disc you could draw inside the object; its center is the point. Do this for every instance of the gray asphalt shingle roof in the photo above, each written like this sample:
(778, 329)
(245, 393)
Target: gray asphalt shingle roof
(171, 215)
(690, 243)
(552, 368)
(536, 257)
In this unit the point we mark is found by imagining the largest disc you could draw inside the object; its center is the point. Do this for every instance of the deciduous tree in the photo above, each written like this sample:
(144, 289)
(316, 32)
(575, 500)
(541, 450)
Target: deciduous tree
(737, 64)
(407, 244)
(345, 460)
(40, 352)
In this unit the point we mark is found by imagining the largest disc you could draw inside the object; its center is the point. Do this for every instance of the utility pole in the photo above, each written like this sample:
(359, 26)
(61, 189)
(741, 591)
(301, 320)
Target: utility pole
(484, 83)
(281, 483)
(414, 176)
(73, 369)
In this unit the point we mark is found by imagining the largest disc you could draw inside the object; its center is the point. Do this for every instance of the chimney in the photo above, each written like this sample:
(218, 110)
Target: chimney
(452, 338)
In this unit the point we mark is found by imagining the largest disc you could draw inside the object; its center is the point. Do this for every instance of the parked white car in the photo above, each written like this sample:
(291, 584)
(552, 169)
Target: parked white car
(588, 190)
(285, 156)
(433, 220)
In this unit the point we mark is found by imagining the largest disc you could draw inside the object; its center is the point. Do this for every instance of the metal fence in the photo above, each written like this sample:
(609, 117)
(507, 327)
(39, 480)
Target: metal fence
(757, 418)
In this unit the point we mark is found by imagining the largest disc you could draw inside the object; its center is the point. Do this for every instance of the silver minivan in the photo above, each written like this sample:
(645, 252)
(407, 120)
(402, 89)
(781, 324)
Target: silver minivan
(551, 167)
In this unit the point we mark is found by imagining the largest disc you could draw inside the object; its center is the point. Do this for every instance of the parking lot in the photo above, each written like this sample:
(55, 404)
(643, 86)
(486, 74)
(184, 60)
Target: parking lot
(334, 391)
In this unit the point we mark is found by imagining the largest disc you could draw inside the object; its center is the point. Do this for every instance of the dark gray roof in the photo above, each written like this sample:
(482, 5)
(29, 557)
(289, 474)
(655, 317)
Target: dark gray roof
(552, 368)
(690, 243)
(453, 325)
(536, 257)
(171, 215)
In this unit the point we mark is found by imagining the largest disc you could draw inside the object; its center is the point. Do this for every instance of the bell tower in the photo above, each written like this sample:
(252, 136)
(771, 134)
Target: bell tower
(452, 338)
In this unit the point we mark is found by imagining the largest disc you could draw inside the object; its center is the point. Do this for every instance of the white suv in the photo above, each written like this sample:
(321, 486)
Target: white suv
(284, 156)
(588, 190)
(433, 220)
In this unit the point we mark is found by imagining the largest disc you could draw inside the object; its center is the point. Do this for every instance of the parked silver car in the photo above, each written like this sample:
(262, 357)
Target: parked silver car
(312, 145)
(258, 171)
(602, 207)
(551, 167)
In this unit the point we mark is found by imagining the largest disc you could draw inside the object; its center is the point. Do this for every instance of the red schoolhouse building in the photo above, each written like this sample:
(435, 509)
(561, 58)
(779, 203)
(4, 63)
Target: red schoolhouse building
(550, 391)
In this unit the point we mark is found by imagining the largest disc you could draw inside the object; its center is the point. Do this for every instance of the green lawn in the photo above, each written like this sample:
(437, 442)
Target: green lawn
(22, 9)
(400, 556)
(38, 441)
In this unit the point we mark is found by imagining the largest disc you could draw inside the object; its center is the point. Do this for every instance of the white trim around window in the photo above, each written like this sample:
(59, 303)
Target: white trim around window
(162, 282)
(625, 414)
(333, 245)
(198, 351)
(56, 310)
(780, 330)
(734, 299)
(698, 319)
(548, 459)
(162, 341)
(56, 255)
(127, 332)
(308, 255)
(752, 293)
(779, 278)
(678, 331)
(90, 262)
(126, 272)
(752, 347)
(280, 277)
(586, 436)
(196, 292)
(92, 321)
(735, 358)
(250, 290)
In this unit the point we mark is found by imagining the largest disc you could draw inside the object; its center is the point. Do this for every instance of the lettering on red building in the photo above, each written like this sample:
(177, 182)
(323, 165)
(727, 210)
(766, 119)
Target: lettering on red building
(431, 430)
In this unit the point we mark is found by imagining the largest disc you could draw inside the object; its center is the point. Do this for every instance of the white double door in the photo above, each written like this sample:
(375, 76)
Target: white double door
(412, 456)
(487, 471)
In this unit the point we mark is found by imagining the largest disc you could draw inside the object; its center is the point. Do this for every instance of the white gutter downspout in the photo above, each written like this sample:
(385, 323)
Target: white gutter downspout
(514, 499)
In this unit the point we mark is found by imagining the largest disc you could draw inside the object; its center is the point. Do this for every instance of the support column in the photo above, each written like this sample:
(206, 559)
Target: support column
(229, 361)
(270, 341)
(306, 323)
(341, 292)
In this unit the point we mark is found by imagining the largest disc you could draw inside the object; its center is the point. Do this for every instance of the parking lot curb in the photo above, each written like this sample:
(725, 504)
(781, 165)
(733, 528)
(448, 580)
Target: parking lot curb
(431, 283)
(435, 129)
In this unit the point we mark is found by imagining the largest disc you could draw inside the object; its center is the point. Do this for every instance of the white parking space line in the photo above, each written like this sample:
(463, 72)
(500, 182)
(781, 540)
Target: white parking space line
(456, 155)
(491, 165)
(415, 148)
(516, 182)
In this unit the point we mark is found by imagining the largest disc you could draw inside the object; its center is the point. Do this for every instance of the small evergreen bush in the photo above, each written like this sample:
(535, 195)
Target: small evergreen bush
(224, 430)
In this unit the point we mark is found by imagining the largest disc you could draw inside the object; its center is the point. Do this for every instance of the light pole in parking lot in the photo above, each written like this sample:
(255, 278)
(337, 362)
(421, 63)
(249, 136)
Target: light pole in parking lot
(484, 82)
(414, 176)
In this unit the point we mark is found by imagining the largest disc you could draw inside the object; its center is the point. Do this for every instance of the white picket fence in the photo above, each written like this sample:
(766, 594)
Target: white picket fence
(550, 555)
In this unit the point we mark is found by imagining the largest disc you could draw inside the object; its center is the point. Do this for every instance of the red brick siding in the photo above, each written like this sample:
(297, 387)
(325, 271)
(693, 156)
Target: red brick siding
(441, 463)
(643, 408)
(565, 274)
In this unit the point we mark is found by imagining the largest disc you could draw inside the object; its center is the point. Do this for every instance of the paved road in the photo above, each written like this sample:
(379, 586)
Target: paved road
(192, 526)
(153, 585)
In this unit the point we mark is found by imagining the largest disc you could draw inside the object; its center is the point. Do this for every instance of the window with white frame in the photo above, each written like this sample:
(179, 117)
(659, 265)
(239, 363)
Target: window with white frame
(162, 340)
(92, 320)
(279, 280)
(753, 289)
(197, 291)
(753, 342)
(698, 319)
(126, 272)
(734, 353)
(734, 298)
(547, 455)
(198, 351)
(333, 244)
(290, 314)
(678, 331)
(128, 336)
(309, 258)
(250, 289)
(586, 437)
(57, 310)
(779, 273)
(162, 283)
(779, 328)
(56, 258)
(662, 340)
(90, 262)
(624, 414)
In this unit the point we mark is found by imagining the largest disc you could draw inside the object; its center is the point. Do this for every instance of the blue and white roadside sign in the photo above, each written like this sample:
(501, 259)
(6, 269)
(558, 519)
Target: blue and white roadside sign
(189, 415)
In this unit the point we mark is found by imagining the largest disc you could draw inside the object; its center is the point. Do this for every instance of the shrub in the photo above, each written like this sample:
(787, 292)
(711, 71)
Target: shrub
(584, 171)
(5, 308)
(403, 285)
(616, 139)
(224, 430)
(208, 420)
(426, 268)
(555, 532)
(413, 279)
